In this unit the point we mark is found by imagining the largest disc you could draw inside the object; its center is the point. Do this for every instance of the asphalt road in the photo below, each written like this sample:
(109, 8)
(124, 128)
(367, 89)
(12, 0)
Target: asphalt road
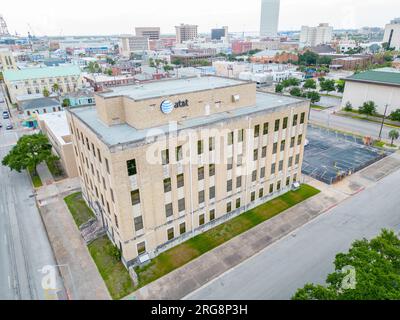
(24, 246)
(307, 255)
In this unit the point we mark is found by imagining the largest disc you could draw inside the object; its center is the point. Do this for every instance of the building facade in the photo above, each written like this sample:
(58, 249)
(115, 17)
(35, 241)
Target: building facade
(186, 32)
(392, 34)
(314, 36)
(168, 160)
(219, 33)
(7, 60)
(130, 44)
(152, 33)
(269, 18)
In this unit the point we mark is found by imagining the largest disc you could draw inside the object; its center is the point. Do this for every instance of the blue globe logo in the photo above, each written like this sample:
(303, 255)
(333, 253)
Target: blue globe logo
(167, 106)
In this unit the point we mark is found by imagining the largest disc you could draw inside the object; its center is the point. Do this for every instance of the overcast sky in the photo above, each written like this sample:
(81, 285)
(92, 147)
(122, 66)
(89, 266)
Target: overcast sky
(83, 17)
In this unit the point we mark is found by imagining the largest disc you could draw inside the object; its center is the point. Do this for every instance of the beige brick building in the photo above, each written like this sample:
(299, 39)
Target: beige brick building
(163, 162)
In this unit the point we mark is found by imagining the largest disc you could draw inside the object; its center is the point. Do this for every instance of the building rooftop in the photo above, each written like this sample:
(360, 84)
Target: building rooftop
(124, 134)
(57, 123)
(39, 103)
(170, 87)
(38, 73)
(388, 76)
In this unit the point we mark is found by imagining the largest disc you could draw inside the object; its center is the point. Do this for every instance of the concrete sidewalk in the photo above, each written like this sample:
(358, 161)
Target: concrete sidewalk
(44, 174)
(81, 277)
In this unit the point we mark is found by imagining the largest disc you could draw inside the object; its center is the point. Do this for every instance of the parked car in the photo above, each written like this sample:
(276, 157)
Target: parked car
(6, 115)
(9, 127)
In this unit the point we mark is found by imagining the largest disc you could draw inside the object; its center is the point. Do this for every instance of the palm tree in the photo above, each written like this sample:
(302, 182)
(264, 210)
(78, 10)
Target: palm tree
(394, 135)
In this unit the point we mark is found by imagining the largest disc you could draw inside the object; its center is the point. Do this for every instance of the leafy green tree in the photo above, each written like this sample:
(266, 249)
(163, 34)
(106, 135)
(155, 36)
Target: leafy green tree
(310, 84)
(29, 152)
(327, 85)
(66, 103)
(324, 60)
(55, 87)
(348, 107)
(46, 92)
(308, 58)
(394, 135)
(290, 82)
(279, 88)
(395, 115)
(340, 84)
(296, 92)
(313, 96)
(376, 267)
(368, 108)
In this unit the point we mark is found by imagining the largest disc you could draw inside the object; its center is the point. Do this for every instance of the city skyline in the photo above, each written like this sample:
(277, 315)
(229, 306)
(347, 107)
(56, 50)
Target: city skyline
(124, 17)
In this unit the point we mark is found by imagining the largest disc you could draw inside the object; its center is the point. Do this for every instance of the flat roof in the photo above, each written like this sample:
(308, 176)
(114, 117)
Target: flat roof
(38, 73)
(56, 123)
(388, 76)
(124, 134)
(170, 87)
(39, 103)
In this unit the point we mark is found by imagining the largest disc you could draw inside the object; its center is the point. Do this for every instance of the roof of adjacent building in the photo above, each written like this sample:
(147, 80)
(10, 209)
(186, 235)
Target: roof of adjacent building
(57, 123)
(39, 73)
(170, 87)
(389, 76)
(124, 134)
(39, 103)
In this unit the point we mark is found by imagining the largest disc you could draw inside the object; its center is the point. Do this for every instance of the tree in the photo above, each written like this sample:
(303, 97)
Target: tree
(340, 84)
(29, 152)
(368, 108)
(348, 107)
(279, 88)
(290, 82)
(313, 96)
(66, 103)
(310, 84)
(394, 135)
(395, 115)
(55, 87)
(308, 58)
(296, 92)
(327, 85)
(369, 271)
(46, 92)
(324, 60)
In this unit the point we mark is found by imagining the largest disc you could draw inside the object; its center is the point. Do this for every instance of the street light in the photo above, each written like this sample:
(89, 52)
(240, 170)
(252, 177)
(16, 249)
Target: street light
(383, 122)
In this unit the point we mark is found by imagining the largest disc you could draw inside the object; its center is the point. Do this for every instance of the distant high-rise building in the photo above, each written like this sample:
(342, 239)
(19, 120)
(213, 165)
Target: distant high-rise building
(130, 44)
(219, 33)
(314, 36)
(3, 27)
(392, 34)
(269, 18)
(186, 32)
(152, 33)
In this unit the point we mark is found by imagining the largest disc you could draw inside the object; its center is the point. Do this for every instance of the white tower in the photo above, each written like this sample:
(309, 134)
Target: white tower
(269, 18)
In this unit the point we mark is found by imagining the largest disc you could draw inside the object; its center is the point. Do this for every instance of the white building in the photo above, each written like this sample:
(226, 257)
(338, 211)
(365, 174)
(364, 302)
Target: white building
(269, 18)
(392, 34)
(186, 32)
(313, 36)
(129, 44)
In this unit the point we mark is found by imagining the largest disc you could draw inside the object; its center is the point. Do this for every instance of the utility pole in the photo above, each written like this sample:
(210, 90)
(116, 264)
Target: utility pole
(383, 122)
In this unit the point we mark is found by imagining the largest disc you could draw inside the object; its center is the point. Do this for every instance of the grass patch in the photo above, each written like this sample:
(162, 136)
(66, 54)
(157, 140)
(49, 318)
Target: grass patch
(195, 247)
(314, 106)
(113, 272)
(55, 169)
(78, 208)
(36, 181)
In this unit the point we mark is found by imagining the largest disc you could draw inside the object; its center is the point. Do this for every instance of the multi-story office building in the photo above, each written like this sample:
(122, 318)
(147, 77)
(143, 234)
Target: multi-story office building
(152, 33)
(269, 18)
(130, 44)
(162, 162)
(186, 32)
(392, 34)
(218, 34)
(35, 80)
(7, 60)
(314, 36)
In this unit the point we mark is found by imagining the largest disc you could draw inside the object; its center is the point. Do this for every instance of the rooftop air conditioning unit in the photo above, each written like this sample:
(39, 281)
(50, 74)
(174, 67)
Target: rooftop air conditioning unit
(235, 98)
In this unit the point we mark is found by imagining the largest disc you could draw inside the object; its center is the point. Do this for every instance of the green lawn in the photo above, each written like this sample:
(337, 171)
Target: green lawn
(195, 247)
(37, 183)
(55, 169)
(78, 208)
(314, 106)
(115, 275)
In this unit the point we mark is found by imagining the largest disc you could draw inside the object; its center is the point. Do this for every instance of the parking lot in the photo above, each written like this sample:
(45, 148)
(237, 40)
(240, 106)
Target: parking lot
(330, 156)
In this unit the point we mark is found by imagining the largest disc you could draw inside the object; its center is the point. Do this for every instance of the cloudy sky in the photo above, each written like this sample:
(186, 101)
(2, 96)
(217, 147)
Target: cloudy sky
(83, 17)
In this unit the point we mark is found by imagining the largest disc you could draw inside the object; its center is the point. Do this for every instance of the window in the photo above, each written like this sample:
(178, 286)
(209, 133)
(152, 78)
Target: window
(264, 152)
(265, 128)
(287, 181)
(179, 153)
(138, 223)
(200, 147)
(131, 164)
(302, 117)
(299, 139)
(211, 144)
(285, 122)
(229, 186)
(292, 141)
(238, 182)
(277, 124)
(256, 131)
(280, 165)
(275, 148)
(141, 248)
(181, 205)
(261, 193)
(104, 184)
(182, 228)
(278, 186)
(170, 233)
(201, 220)
(94, 150)
(180, 180)
(230, 138)
(212, 215)
(262, 173)
(99, 154)
(165, 157)
(201, 197)
(112, 195)
(212, 193)
(238, 203)
(87, 143)
(254, 176)
(253, 196)
(91, 165)
(169, 211)
(290, 162)
(283, 144)
(295, 118)
(200, 173)
(255, 155)
(297, 159)
(241, 135)
(107, 166)
(228, 207)
(273, 168)
(167, 185)
(135, 197)
(239, 160)
(230, 164)
(212, 170)
(271, 188)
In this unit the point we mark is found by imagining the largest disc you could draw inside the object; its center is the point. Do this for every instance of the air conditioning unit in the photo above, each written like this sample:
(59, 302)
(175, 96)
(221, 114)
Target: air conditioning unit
(235, 98)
